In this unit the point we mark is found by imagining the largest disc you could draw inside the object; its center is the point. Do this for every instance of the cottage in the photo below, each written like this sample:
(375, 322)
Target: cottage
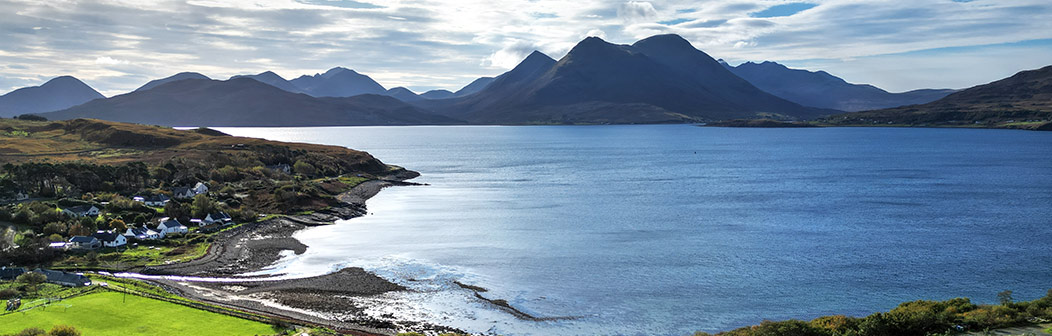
(170, 225)
(110, 238)
(200, 188)
(84, 243)
(143, 233)
(81, 211)
(183, 193)
(65, 279)
(21, 195)
(220, 218)
(154, 200)
(10, 273)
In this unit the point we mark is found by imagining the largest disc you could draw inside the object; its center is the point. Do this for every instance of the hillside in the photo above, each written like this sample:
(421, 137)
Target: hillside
(1023, 100)
(275, 80)
(245, 102)
(662, 79)
(823, 90)
(107, 142)
(56, 94)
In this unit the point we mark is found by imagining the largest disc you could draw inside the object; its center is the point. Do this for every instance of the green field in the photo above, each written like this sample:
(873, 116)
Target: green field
(107, 313)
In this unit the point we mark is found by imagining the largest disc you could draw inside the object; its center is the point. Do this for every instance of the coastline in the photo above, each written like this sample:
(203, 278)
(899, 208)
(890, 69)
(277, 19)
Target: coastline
(319, 300)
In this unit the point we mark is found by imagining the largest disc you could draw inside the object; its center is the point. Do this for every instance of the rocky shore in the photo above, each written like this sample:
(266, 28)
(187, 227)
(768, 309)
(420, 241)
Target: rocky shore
(321, 300)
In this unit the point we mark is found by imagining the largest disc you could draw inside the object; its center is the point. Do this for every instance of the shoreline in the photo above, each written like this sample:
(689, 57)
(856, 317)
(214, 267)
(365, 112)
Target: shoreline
(318, 300)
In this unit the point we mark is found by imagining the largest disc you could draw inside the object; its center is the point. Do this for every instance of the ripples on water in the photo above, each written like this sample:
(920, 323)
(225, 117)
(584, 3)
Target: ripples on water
(672, 229)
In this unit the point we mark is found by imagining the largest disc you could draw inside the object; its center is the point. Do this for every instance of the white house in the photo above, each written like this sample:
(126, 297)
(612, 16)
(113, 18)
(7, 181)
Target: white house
(183, 193)
(171, 225)
(189, 192)
(21, 195)
(200, 188)
(143, 233)
(154, 200)
(110, 238)
(219, 217)
(81, 211)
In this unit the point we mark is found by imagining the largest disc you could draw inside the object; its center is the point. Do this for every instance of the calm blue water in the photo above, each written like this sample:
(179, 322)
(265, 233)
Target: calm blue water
(673, 229)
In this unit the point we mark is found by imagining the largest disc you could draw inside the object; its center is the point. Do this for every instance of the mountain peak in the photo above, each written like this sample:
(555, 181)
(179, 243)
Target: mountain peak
(666, 41)
(336, 71)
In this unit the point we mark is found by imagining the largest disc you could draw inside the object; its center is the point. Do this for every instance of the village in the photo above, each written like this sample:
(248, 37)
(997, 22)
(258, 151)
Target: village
(142, 232)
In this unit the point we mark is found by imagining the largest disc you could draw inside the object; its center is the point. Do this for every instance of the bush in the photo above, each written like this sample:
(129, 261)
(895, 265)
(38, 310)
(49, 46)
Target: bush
(9, 293)
(32, 332)
(64, 330)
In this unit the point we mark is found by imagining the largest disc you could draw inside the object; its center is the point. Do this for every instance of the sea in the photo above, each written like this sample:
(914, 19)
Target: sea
(672, 229)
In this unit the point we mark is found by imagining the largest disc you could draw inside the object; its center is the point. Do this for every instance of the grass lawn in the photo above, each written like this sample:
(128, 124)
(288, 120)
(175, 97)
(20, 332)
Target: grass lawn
(106, 313)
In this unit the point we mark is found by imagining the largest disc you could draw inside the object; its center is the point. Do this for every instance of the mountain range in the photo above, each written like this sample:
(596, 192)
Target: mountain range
(661, 79)
(822, 90)
(56, 94)
(1020, 101)
(246, 102)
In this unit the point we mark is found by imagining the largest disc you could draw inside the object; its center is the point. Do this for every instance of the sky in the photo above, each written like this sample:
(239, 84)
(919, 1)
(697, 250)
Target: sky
(118, 45)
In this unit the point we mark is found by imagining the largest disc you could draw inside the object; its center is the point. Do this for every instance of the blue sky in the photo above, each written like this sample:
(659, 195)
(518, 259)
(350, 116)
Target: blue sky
(118, 45)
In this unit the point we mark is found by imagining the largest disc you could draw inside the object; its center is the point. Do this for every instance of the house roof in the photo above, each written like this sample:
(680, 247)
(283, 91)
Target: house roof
(80, 208)
(156, 198)
(58, 276)
(82, 239)
(170, 222)
(180, 190)
(11, 272)
(106, 236)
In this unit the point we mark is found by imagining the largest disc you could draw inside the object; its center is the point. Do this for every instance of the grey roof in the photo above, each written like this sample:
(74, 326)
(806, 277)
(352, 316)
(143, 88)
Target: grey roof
(80, 208)
(82, 239)
(170, 222)
(9, 273)
(156, 198)
(106, 236)
(63, 277)
(180, 190)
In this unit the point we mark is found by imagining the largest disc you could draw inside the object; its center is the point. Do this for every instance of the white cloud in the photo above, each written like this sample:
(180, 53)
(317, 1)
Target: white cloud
(436, 43)
(634, 11)
(106, 60)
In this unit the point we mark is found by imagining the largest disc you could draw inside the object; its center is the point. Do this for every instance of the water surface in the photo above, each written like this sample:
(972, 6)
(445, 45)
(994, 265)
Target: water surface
(673, 229)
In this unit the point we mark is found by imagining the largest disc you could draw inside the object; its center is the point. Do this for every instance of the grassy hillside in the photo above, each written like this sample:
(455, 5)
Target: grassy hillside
(107, 142)
(111, 313)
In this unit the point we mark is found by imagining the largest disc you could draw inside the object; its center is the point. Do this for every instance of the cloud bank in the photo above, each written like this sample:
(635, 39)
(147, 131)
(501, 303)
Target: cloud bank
(117, 45)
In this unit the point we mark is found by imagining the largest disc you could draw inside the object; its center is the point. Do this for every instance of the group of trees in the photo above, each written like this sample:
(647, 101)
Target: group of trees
(61, 179)
(916, 318)
(59, 330)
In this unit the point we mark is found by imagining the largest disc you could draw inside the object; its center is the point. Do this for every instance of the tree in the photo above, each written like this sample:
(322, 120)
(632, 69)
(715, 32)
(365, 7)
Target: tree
(79, 230)
(1005, 297)
(64, 330)
(203, 206)
(55, 228)
(31, 279)
(176, 210)
(304, 168)
(118, 224)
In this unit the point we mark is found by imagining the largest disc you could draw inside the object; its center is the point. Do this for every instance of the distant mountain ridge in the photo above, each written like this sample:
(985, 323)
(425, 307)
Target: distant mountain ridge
(246, 102)
(56, 94)
(1023, 97)
(338, 82)
(823, 90)
(176, 77)
(661, 79)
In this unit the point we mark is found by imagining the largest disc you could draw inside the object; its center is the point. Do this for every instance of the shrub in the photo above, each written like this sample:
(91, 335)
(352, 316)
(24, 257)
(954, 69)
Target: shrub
(9, 293)
(64, 330)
